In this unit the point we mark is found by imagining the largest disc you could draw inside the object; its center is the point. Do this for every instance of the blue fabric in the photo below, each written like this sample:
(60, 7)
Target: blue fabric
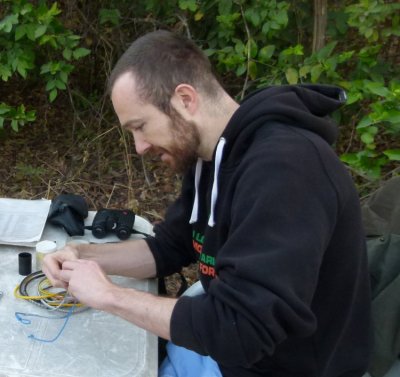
(181, 362)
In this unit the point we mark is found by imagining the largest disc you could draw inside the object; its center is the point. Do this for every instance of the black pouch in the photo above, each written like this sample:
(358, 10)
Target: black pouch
(69, 212)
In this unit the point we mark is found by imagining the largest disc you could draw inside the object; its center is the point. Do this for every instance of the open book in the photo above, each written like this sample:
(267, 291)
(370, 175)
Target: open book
(22, 221)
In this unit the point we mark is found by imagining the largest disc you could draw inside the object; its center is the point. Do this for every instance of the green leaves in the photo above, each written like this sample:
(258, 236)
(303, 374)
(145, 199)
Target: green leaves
(377, 88)
(239, 40)
(326, 51)
(188, 5)
(80, 53)
(265, 53)
(20, 60)
(253, 15)
(392, 154)
(6, 25)
(252, 43)
(368, 162)
(256, 41)
(366, 15)
(56, 74)
(292, 76)
(225, 6)
(5, 72)
(15, 116)
(31, 33)
(111, 16)
(381, 119)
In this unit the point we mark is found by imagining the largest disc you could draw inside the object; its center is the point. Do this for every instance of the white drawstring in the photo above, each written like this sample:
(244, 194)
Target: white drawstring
(214, 192)
(195, 210)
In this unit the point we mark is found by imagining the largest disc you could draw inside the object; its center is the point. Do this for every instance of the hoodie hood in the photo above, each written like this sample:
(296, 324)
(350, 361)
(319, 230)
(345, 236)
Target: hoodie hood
(302, 106)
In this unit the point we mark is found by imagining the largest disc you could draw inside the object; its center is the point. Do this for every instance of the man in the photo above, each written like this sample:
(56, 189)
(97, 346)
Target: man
(266, 208)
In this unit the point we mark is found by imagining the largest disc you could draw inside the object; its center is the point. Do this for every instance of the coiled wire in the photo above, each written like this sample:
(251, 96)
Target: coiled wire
(45, 298)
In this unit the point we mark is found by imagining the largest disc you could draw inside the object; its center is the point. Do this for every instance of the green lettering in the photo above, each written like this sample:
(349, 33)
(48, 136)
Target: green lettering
(210, 260)
(199, 238)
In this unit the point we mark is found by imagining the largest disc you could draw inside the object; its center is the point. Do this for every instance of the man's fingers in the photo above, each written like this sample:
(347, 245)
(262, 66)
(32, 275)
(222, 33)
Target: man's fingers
(67, 269)
(73, 264)
(80, 263)
(69, 266)
(52, 265)
(50, 276)
(65, 275)
(51, 270)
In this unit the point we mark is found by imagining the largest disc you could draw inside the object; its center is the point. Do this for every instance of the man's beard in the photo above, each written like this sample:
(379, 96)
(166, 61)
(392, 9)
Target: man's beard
(186, 138)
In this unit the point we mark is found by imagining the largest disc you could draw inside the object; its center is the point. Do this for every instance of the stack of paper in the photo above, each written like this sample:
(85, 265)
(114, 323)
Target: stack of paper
(22, 221)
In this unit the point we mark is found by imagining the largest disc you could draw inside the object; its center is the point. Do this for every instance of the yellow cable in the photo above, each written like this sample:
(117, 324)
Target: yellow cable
(44, 291)
(63, 305)
(49, 295)
(45, 296)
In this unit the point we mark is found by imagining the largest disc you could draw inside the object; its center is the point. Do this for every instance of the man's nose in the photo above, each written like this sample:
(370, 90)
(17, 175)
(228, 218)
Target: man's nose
(141, 145)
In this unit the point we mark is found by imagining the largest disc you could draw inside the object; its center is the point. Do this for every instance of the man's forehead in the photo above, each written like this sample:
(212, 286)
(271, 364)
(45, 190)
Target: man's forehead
(125, 85)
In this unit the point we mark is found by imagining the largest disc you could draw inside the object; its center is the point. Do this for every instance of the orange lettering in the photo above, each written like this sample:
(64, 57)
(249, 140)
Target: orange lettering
(207, 270)
(198, 247)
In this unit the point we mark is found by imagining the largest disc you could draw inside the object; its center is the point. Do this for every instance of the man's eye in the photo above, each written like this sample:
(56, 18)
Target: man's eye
(139, 127)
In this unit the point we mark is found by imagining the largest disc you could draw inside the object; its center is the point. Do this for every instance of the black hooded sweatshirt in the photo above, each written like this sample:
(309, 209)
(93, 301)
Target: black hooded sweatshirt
(275, 225)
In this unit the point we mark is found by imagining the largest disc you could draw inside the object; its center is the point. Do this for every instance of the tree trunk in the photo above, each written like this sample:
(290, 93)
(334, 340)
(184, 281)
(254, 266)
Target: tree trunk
(320, 22)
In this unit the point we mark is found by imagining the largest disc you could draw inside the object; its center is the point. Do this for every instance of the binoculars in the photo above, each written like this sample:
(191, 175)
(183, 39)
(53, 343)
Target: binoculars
(116, 221)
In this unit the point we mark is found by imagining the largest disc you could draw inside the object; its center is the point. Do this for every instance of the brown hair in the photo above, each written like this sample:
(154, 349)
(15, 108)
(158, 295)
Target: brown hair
(160, 61)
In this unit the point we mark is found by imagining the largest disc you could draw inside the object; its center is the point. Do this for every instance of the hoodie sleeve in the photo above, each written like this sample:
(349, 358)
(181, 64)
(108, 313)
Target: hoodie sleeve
(283, 214)
(171, 246)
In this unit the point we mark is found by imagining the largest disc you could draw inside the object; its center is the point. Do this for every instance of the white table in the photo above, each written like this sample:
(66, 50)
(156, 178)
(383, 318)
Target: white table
(93, 343)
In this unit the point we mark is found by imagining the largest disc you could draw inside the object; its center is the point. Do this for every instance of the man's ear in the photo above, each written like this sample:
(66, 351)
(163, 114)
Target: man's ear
(185, 100)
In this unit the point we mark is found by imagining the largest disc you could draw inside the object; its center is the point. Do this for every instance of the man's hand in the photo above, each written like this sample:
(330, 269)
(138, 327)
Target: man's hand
(52, 264)
(81, 269)
(86, 281)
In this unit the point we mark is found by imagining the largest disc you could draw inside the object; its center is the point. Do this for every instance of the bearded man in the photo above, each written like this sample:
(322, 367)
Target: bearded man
(266, 209)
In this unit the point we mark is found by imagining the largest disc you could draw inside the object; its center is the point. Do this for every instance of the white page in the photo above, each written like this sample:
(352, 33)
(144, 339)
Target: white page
(22, 221)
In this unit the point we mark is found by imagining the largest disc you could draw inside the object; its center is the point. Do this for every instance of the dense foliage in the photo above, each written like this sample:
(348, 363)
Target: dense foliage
(252, 43)
(34, 42)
